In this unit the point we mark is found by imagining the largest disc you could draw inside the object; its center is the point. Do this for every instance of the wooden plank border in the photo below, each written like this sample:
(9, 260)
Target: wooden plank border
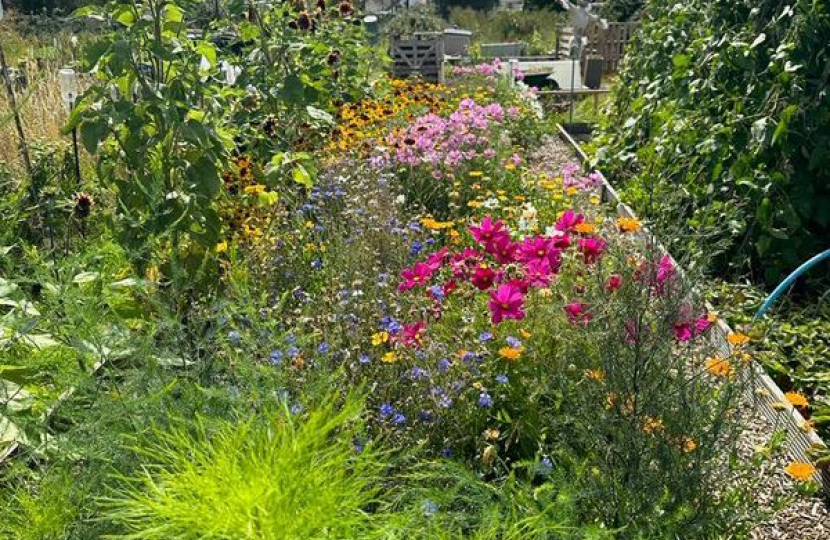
(764, 393)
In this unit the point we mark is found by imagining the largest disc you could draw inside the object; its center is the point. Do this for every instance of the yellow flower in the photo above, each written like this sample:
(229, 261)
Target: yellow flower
(652, 425)
(511, 353)
(627, 225)
(737, 339)
(491, 434)
(689, 444)
(719, 367)
(380, 338)
(595, 374)
(797, 399)
(571, 191)
(436, 225)
(255, 188)
(388, 357)
(712, 317)
(524, 333)
(221, 247)
(475, 204)
(476, 174)
(800, 470)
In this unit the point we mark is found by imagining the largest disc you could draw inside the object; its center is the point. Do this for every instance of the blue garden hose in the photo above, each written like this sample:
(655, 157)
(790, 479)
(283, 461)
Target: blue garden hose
(784, 285)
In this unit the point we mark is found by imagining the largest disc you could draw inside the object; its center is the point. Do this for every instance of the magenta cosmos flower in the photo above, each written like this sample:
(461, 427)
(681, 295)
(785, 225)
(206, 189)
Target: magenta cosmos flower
(591, 248)
(416, 276)
(577, 313)
(569, 221)
(483, 278)
(506, 303)
(488, 231)
(504, 250)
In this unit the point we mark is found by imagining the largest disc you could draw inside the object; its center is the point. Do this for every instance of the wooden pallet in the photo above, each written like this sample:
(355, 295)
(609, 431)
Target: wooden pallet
(762, 392)
(418, 54)
(610, 44)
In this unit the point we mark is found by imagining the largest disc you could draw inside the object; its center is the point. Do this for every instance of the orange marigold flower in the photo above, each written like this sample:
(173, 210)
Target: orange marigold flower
(627, 224)
(737, 339)
(511, 353)
(800, 470)
(796, 399)
(719, 366)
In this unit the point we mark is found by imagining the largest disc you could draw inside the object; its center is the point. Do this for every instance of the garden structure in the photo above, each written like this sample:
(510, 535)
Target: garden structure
(297, 293)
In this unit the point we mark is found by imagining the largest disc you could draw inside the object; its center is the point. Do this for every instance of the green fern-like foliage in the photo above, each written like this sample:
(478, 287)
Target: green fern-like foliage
(272, 477)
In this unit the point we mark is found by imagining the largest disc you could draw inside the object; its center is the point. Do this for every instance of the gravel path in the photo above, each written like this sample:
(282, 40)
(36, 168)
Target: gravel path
(802, 518)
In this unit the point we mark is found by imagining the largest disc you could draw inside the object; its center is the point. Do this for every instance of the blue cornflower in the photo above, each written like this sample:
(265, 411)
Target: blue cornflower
(446, 452)
(293, 351)
(444, 365)
(415, 248)
(437, 292)
(386, 410)
(297, 408)
(398, 419)
(418, 373)
(513, 342)
(323, 348)
(445, 402)
(469, 356)
(426, 416)
(364, 358)
(429, 507)
(429, 241)
(485, 336)
(484, 400)
(276, 357)
(502, 379)
(316, 264)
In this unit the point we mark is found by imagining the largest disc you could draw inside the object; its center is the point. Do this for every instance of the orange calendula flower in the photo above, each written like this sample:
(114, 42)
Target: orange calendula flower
(719, 367)
(585, 228)
(737, 339)
(800, 470)
(511, 353)
(796, 399)
(628, 225)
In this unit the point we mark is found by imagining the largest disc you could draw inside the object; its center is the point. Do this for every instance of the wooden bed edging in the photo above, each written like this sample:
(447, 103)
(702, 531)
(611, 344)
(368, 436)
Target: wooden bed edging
(764, 393)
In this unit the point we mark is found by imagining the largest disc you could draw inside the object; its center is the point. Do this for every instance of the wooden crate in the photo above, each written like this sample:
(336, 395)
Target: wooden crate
(418, 54)
(610, 44)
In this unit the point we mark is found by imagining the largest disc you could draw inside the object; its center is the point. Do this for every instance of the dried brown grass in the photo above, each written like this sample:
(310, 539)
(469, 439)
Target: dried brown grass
(41, 110)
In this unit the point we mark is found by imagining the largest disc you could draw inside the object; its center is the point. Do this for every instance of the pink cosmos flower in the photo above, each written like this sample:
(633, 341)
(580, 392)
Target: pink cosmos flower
(569, 221)
(488, 231)
(483, 278)
(538, 273)
(561, 240)
(449, 287)
(412, 334)
(437, 259)
(665, 269)
(591, 248)
(416, 276)
(577, 313)
(506, 303)
(504, 250)
(535, 248)
(613, 283)
(683, 331)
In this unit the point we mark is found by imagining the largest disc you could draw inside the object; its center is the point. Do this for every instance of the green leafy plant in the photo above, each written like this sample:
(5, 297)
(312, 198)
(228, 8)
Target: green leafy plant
(155, 116)
(724, 105)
